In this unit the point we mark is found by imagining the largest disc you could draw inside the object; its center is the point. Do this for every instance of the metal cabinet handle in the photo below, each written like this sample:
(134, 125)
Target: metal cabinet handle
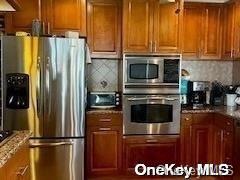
(104, 129)
(105, 120)
(22, 171)
(228, 123)
(187, 119)
(48, 28)
(151, 46)
(151, 140)
(155, 46)
(34, 145)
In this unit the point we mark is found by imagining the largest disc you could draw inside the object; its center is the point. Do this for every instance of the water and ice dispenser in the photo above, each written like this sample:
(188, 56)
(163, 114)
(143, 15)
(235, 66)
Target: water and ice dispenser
(17, 95)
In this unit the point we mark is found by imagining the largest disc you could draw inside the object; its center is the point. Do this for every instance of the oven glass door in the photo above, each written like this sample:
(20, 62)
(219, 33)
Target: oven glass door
(145, 70)
(151, 114)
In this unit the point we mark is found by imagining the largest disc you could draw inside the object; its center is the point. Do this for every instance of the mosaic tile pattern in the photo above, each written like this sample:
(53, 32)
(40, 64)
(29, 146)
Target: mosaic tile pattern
(210, 70)
(103, 75)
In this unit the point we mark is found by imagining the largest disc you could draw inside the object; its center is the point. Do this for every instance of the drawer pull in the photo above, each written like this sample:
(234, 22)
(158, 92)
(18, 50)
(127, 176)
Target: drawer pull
(151, 141)
(187, 119)
(228, 123)
(228, 133)
(104, 129)
(105, 120)
(22, 171)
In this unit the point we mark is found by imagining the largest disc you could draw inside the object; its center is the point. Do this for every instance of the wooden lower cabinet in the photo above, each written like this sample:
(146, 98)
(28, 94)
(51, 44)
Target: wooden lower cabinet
(104, 144)
(206, 138)
(149, 150)
(196, 130)
(18, 167)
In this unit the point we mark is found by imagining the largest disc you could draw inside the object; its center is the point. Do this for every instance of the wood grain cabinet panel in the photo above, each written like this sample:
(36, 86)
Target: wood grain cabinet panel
(22, 20)
(137, 25)
(104, 28)
(151, 151)
(202, 31)
(65, 15)
(192, 31)
(104, 144)
(18, 167)
(167, 27)
(212, 32)
(228, 30)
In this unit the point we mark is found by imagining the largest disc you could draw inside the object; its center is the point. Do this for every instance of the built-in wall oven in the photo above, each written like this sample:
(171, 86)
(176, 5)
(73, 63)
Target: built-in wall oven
(151, 114)
(151, 94)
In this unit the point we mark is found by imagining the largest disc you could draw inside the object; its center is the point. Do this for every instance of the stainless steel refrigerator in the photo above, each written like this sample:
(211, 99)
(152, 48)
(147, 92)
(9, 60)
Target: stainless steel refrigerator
(44, 91)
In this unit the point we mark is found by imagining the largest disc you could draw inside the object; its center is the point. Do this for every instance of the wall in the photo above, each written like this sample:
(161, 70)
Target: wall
(210, 70)
(109, 71)
(236, 72)
(103, 75)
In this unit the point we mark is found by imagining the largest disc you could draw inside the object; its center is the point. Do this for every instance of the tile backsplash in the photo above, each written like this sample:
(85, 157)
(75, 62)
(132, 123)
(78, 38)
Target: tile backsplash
(210, 70)
(103, 75)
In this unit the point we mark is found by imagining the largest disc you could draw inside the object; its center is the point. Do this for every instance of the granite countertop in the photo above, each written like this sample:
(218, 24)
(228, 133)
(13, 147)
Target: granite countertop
(233, 112)
(11, 146)
(105, 111)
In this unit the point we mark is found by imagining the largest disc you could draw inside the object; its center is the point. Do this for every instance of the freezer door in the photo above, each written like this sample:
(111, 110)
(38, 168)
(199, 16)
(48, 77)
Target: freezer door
(20, 56)
(64, 105)
(61, 159)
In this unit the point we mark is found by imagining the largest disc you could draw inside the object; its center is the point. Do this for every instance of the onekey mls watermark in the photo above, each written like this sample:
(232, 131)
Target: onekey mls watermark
(185, 171)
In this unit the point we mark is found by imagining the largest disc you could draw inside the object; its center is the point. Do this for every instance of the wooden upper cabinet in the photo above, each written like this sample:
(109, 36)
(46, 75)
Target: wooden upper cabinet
(104, 28)
(191, 30)
(202, 32)
(137, 25)
(211, 32)
(22, 20)
(237, 30)
(65, 15)
(228, 30)
(167, 26)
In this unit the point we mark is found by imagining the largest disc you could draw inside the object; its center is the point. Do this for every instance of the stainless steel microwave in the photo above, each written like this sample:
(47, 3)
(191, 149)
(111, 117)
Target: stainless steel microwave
(103, 100)
(151, 70)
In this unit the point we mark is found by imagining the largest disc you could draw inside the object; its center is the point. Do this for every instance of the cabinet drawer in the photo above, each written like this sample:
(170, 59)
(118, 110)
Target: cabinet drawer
(104, 119)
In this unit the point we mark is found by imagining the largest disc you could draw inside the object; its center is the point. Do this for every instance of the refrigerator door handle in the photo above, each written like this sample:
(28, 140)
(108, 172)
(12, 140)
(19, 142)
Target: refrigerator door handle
(50, 144)
(48, 85)
(38, 87)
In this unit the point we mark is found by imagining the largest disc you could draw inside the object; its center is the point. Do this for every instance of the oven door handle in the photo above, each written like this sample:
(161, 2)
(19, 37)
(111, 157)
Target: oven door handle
(153, 98)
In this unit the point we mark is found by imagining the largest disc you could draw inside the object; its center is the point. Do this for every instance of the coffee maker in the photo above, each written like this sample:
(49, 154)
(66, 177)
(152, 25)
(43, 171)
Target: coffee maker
(199, 94)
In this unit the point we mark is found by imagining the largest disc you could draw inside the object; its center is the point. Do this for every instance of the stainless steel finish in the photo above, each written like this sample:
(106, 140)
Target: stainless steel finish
(151, 86)
(56, 113)
(201, 85)
(61, 162)
(103, 92)
(103, 107)
(64, 110)
(20, 55)
(132, 128)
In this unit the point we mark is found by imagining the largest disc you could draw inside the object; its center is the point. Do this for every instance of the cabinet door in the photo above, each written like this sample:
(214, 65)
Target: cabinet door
(104, 28)
(201, 144)
(65, 15)
(150, 150)
(137, 25)
(22, 20)
(196, 135)
(237, 31)
(218, 145)
(167, 26)
(228, 31)
(192, 31)
(104, 149)
(211, 32)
